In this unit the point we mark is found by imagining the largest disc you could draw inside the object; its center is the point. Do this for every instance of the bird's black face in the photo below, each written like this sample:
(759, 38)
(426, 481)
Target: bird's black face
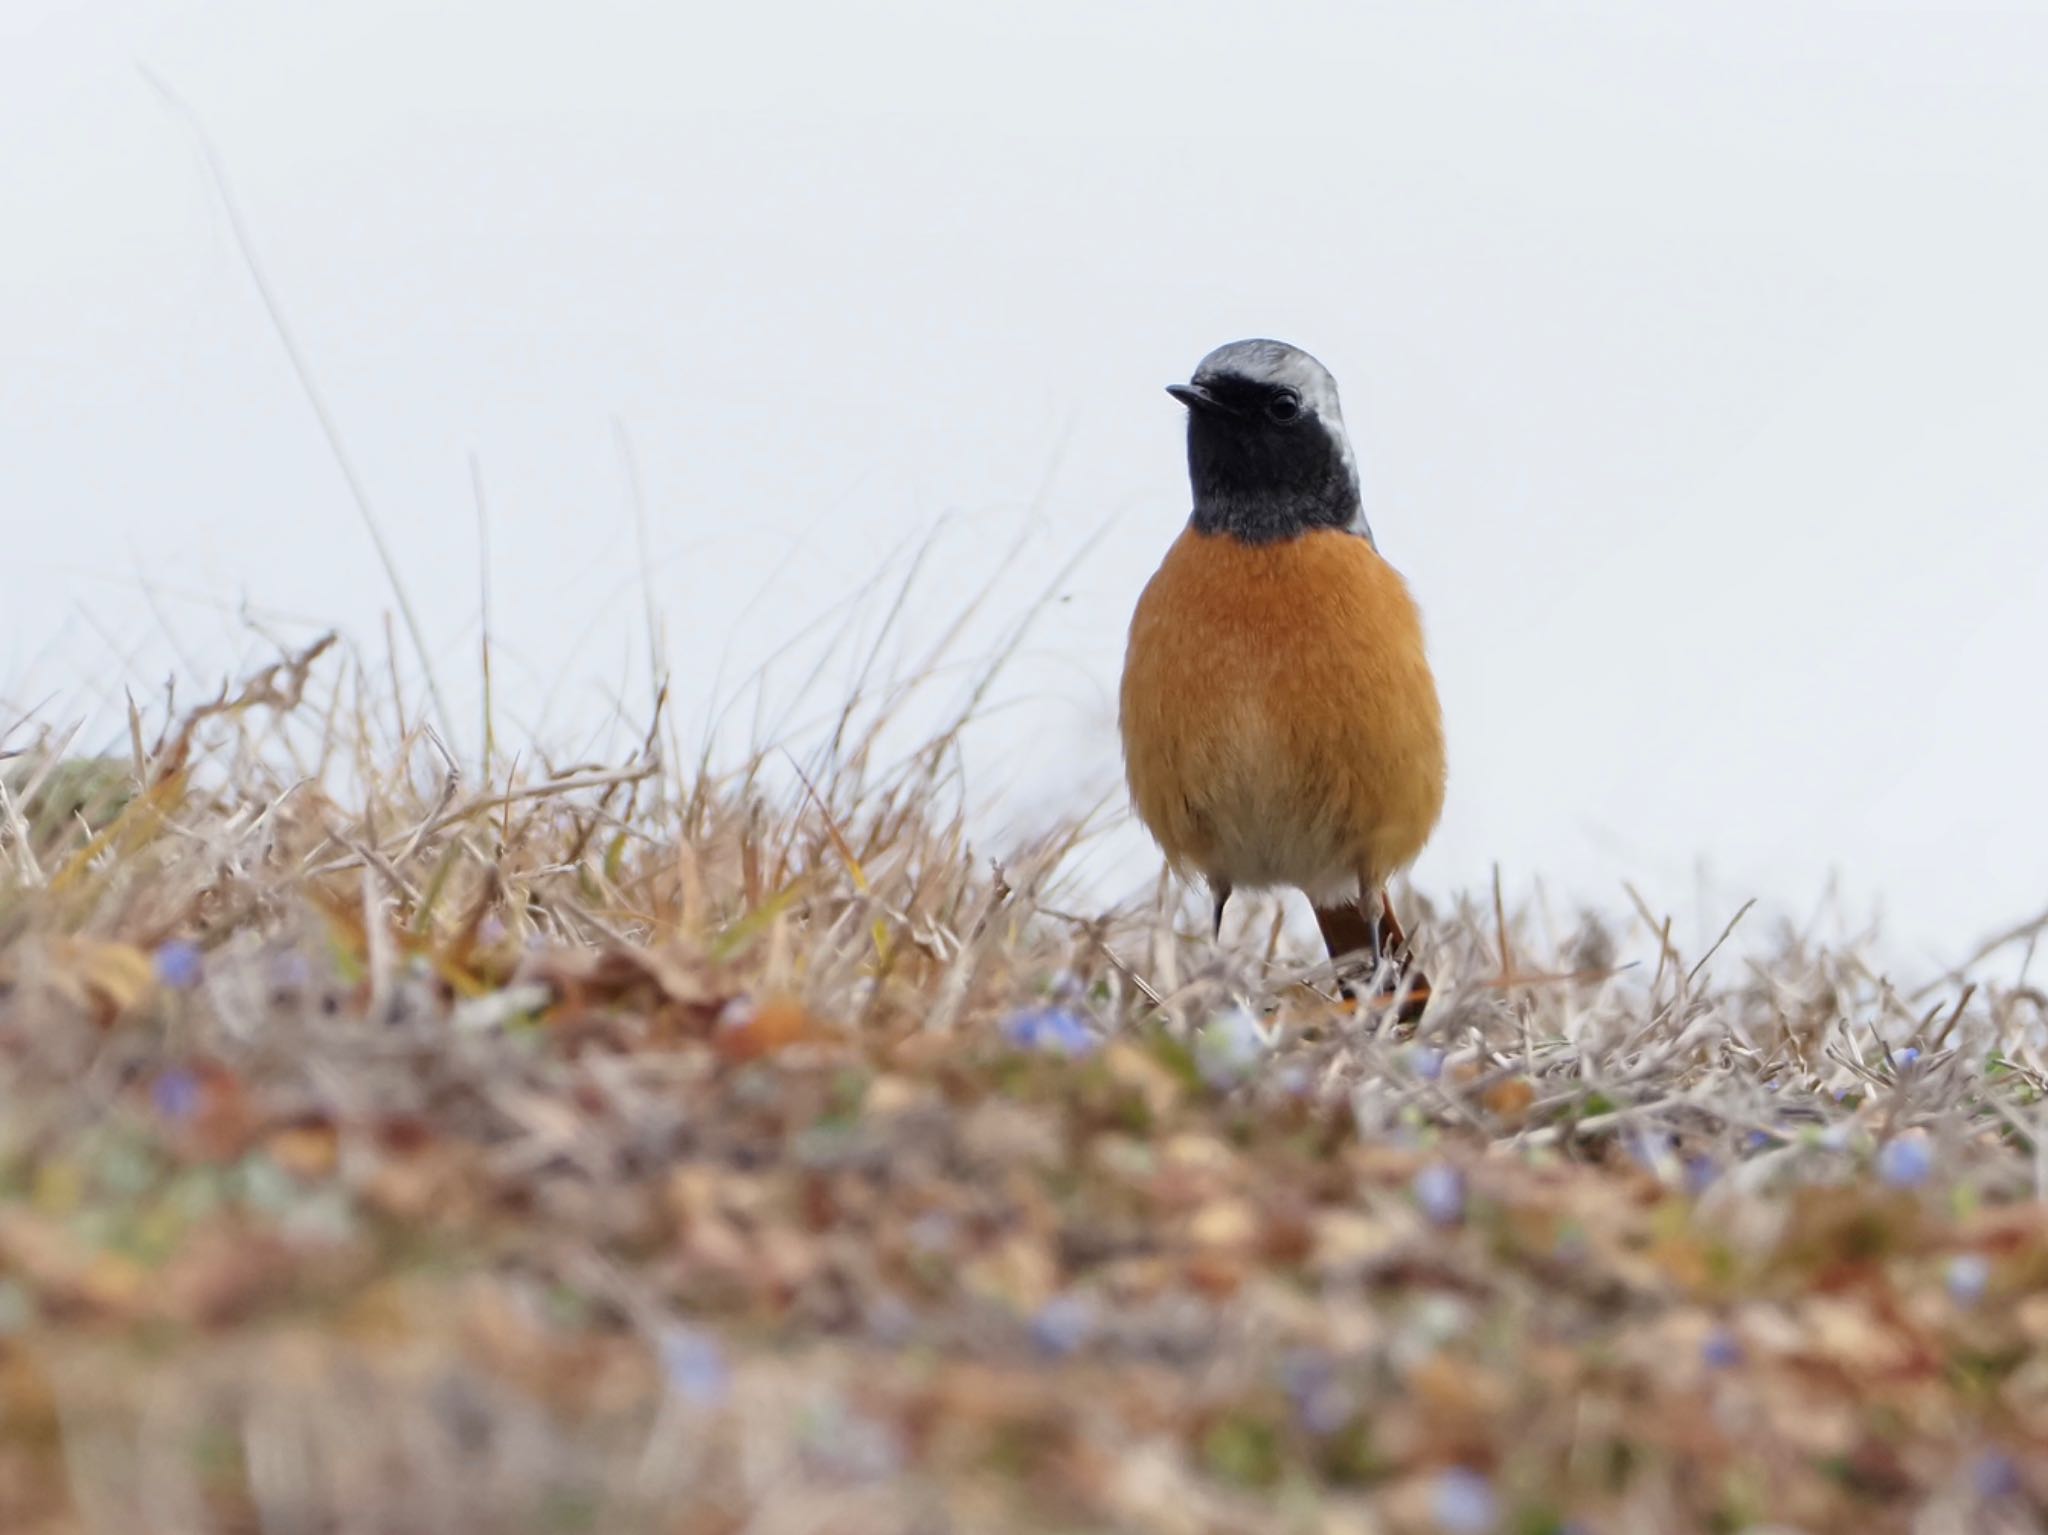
(1263, 466)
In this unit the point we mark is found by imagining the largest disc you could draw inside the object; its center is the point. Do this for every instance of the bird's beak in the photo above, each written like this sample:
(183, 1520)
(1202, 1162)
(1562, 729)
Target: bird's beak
(1197, 397)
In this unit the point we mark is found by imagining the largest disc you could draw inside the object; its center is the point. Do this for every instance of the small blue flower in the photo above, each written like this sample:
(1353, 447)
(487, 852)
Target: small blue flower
(1295, 1080)
(1052, 1028)
(1721, 1349)
(1329, 1409)
(1756, 1140)
(179, 964)
(175, 1094)
(1906, 1162)
(1995, 1476)
(1322, 1402)
(694, 1366)
(1650, 1149)
(1228, 1046)
(1427, 1062)
(1305, 1371)
(1700, 1173)
(1463, 1502)
(1440, 1190)
(1969, 1275)
(1906, 1057)
(1063, 1324)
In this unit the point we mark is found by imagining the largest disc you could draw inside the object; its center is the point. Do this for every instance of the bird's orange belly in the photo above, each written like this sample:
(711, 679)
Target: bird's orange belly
(1280, 722)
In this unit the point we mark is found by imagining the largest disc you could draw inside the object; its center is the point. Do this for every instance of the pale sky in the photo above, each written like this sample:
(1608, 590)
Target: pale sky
(1697, 358)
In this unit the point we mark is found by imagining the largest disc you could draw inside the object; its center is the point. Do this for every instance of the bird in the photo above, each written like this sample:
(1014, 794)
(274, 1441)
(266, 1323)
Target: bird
(1279, 718)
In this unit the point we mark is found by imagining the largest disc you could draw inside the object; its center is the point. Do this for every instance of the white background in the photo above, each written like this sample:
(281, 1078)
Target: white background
(1698, 359)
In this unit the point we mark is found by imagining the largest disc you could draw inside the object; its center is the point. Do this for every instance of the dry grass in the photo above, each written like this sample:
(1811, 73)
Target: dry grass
(622, 1147)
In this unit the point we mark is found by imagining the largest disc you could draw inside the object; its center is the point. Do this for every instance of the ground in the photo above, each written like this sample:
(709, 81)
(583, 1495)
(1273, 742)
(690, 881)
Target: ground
(387, 1146)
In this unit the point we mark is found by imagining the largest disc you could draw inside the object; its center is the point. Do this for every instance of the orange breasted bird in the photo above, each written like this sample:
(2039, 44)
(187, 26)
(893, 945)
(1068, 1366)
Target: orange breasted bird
(1280, 722)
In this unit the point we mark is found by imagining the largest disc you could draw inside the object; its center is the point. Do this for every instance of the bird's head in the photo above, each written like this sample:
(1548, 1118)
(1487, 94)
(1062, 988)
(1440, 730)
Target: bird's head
(1268, 458)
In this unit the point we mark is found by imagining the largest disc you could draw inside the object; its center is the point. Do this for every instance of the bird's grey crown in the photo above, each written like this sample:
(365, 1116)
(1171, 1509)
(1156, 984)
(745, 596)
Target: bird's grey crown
(1261, 360)
(1275, 362)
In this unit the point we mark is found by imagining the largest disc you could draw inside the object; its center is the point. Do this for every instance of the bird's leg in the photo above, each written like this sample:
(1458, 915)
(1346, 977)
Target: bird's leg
(1349, 934)
(1408, 977)
(1219, 890)
(1387, 930)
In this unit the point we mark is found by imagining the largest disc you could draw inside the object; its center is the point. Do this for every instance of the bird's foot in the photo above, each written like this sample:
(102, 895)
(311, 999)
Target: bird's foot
(1404, 991)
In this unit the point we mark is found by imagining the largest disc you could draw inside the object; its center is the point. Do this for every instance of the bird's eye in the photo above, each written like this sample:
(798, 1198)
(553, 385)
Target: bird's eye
(1284, 406)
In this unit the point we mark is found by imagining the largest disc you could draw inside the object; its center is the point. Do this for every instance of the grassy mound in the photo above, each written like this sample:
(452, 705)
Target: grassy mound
(389, 1148)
